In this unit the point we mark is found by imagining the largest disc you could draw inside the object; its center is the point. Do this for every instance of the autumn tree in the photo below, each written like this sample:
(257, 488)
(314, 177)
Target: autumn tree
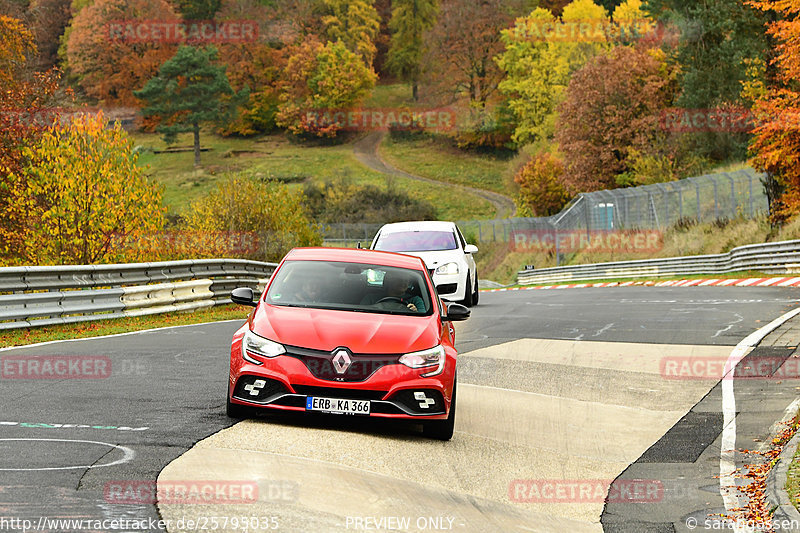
(410, 20)
(28, 108)
(541, 189)
(187, 93)
(49, 19)
(257, 64)
(321, 77)
(536, 77)
(110, 67)
(355, 23)
(538, 64)
(612, 106)
(271, 210)
(85, 189)
(776, 142)
(461, 50)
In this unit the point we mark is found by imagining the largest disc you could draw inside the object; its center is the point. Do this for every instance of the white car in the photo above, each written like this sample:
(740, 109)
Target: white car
(443, 249)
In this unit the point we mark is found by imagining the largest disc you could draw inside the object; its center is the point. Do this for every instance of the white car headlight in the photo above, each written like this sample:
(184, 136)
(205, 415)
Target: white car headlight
(449, 268)
(257, 345)
(434, 357)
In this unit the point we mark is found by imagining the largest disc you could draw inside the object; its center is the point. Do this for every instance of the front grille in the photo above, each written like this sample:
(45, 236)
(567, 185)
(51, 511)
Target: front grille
(333, 392)
(447, 288)
(320, 364)
(257, 389)
(432, 404)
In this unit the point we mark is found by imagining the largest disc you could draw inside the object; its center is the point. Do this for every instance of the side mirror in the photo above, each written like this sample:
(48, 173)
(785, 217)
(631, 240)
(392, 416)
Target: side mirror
(471, 249)
(456, 313)
(243, 296)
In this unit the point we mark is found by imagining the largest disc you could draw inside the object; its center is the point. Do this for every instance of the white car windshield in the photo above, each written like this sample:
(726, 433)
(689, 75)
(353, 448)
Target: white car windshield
(416, 241)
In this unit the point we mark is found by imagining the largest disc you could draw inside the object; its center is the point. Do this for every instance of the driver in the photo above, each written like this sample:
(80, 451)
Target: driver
(310, 290)
(396, 285)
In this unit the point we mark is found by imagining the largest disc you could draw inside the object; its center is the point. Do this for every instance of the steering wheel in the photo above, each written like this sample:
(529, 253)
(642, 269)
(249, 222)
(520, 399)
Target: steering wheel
(390, 299)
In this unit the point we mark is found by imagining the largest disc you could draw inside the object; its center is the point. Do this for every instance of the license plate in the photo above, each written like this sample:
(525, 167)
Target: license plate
(338, 406)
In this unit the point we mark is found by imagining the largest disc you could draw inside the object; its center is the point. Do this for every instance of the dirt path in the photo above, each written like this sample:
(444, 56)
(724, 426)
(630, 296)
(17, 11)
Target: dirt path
(366, 151)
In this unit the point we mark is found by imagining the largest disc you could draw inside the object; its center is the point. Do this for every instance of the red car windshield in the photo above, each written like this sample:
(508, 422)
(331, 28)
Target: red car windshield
(416, 241)
(350, 287)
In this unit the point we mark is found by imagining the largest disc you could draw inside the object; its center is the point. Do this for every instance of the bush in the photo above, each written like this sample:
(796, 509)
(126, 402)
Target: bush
(488, 131)
(344, 201)
(541, 191)
(274, 214)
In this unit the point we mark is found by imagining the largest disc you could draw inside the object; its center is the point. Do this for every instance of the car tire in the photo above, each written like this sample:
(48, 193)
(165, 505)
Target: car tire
(234, 410)
(442, 429)
(477, 294)
(467, 301)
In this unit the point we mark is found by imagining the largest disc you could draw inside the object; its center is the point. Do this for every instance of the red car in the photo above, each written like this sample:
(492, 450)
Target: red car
(348, 332)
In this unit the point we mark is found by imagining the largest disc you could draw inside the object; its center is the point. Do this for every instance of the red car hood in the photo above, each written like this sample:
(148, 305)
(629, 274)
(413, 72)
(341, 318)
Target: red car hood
(361, 333)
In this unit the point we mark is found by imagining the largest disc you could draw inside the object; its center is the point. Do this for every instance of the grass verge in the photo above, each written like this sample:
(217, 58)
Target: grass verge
(431, 158)
(276, 157)
(500, 262)
(99, 328)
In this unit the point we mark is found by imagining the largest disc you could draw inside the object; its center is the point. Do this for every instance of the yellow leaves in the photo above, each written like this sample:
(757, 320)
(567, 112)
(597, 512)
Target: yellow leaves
(15, 42)
(87, 188)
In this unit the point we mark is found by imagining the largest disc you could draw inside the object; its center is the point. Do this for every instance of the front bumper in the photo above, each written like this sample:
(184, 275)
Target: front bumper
(285, 382)
(451, 287)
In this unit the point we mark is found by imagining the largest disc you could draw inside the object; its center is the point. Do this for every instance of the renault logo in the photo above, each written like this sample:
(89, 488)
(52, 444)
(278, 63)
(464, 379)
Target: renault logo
(341, 361)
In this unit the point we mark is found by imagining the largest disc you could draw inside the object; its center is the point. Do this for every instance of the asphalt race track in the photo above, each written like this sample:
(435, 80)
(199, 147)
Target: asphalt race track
(555, 387)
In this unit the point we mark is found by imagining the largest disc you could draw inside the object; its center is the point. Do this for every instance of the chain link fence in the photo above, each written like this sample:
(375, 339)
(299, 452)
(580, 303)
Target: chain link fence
(707, 198)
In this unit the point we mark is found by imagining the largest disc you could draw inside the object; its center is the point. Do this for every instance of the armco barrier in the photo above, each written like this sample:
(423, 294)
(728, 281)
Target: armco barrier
(770, 258)
(47, 295)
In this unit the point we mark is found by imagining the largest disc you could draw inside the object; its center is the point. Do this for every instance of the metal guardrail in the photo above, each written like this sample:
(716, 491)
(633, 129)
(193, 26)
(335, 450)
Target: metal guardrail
(770, 258)
(47, 295)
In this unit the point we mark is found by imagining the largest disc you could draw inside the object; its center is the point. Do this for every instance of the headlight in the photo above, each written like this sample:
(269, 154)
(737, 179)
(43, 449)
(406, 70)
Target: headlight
(257, 345)
(427, 358)
(449, 268)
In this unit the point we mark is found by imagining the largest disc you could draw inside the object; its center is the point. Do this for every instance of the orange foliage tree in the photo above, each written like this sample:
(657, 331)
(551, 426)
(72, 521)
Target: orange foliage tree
(541, 192)
(776, 141)
(84, 189)
(107, 68)
(26, 112)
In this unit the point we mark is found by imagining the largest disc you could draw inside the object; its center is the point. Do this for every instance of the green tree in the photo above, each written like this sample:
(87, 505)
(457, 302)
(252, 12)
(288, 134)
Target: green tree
(198, 9)
(410, 20)
(188, 91)
(271, 210)
(717, 37)
(355, 23)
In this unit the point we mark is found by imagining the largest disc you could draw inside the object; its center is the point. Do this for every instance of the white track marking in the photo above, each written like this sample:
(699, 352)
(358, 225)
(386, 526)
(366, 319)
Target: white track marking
(138, 332)
(128, 455)
(727, 454)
